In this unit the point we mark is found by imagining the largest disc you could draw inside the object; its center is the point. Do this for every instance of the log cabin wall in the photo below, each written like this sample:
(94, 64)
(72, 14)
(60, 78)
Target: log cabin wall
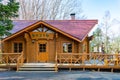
(31, 50)
(30, 46)
(77, 47)
(8, 45)
(85, 45)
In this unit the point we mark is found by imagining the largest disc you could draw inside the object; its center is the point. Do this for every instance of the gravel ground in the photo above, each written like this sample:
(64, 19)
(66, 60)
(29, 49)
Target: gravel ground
(62, 75)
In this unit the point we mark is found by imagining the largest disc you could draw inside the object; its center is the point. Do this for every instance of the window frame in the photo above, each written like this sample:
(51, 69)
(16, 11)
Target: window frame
(17, 43)
(42, 42)
(42, 50)
(67, 42)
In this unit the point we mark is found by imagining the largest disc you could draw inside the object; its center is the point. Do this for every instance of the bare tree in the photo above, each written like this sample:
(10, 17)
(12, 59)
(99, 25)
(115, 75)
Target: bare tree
(49, 9)
(106, 24)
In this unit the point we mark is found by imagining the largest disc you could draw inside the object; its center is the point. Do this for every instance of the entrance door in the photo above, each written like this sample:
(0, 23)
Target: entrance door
(42, 51)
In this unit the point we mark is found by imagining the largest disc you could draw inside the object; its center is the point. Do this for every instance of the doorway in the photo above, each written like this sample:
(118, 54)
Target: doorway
(42, 51)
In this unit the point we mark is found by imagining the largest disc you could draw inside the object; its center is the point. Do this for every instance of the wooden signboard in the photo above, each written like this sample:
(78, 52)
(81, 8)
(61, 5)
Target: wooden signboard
(41, 35)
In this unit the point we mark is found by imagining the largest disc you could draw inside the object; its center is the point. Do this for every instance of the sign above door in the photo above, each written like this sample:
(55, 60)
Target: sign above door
(41, 35)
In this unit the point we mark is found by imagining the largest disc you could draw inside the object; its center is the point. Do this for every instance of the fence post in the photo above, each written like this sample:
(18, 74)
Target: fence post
(56, 63)
(7, 59)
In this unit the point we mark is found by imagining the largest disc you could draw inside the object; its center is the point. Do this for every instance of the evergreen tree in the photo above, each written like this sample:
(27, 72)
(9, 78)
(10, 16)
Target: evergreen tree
(7, 12)
(97, 40)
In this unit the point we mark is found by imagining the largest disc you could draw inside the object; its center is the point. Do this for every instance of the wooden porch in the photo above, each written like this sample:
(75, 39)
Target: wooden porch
(88, 61)
(67, 60)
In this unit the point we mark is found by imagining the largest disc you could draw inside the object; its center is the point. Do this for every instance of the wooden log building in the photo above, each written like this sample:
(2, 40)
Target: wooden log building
(41, 40)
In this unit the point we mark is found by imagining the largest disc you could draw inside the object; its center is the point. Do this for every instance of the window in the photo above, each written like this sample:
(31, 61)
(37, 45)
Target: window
(18, 47)
(42, 47)
(67, 47)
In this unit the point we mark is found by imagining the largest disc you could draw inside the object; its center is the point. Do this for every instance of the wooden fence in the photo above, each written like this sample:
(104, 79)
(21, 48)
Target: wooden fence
(88, 59)
(7, 58)
(10, 58)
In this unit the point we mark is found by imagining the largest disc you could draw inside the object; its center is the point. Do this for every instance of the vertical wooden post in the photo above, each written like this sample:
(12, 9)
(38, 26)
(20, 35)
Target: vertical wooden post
(87, 45)
(60, 57)
(55, 47)
(94, 55)
(111, 69)
(98, 69)
(71, 58)
(71, 61)
(105, 60)
(7, 58)
(56, 55)
(28, 47)
(82, 58)
(116, 59)
(56, 63)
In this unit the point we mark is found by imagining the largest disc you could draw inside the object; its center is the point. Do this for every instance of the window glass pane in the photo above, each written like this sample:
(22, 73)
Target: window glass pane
(40, 50)
(42, 47)
(18, 47)
(67, 47)
(15, 47)
(44, 50)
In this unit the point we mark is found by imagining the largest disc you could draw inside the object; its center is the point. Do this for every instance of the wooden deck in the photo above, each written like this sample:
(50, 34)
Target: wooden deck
(67, 66)
(84, 67)
(12, 65)
(88, 61)
(68, 60)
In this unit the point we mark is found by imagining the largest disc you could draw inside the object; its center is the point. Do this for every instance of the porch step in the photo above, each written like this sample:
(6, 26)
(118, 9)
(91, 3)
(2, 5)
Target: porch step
(37, 67)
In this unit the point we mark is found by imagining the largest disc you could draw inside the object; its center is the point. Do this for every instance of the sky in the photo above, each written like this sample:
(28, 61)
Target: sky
(95, 9)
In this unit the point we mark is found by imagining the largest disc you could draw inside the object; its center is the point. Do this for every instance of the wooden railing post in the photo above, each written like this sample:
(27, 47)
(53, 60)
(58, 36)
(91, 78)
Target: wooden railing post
(56, 62)
(71, 59)
(94, 55)
(7, 59)
(116, 62)
(105, 60)
(60, 57)
(20, 60)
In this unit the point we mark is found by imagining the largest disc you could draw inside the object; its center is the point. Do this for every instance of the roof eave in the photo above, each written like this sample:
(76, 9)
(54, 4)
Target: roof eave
(89, 31)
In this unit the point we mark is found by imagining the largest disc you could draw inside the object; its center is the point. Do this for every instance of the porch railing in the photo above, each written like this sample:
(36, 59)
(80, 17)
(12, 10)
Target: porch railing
(20, 61)
(88, 59)
(8, 58)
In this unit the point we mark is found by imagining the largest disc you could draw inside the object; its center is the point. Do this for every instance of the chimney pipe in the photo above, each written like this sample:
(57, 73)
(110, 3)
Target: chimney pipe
(72, 16)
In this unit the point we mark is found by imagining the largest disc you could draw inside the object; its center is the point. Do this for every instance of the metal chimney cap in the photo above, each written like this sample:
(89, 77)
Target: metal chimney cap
(72, 14)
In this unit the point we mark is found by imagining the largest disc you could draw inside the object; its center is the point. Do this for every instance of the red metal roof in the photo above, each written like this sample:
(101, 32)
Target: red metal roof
(21, 24)
(76, 28)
